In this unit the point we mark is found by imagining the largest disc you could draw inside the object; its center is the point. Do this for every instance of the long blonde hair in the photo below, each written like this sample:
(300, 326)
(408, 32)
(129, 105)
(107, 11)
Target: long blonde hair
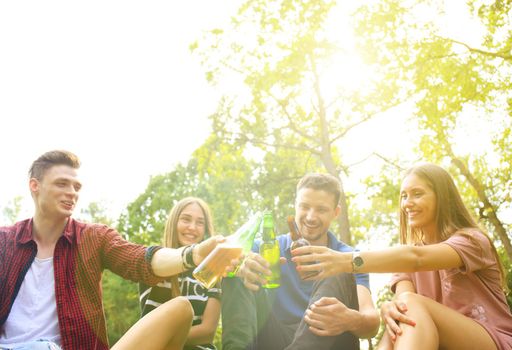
(451, 213)
(170, 238)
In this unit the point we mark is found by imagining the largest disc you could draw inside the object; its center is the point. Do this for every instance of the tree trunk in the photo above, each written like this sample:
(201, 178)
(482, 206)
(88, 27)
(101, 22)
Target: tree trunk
(488, 207)
(344, 230)
(328, 160)
(343, 221)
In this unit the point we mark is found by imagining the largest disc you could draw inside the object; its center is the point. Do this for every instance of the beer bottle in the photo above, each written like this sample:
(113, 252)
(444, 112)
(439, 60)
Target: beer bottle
(244, 236)
(269, 250)
(298, 241)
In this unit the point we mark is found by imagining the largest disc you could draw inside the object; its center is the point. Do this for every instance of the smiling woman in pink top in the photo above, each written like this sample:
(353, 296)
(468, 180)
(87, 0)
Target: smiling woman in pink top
(449, 283)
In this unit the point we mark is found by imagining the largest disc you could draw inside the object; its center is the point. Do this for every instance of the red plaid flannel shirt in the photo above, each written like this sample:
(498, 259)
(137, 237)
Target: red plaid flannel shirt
(80, 256)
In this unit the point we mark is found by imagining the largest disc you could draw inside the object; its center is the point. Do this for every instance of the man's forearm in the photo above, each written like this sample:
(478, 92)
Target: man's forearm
(367, 319)
(367, 324)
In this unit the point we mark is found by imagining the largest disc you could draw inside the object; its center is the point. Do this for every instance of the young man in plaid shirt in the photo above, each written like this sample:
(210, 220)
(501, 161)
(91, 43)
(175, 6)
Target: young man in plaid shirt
(51, 267)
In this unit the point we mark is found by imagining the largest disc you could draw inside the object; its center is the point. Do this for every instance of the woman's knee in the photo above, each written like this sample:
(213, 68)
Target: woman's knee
(417, 303)
(411, 298)
(179, 306)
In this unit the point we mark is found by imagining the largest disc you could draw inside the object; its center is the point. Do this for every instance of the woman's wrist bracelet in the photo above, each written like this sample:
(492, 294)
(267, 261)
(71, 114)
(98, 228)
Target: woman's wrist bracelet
(187, 256)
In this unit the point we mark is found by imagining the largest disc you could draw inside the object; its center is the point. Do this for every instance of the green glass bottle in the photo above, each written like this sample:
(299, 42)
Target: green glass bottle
(244, 236)
(269, 250)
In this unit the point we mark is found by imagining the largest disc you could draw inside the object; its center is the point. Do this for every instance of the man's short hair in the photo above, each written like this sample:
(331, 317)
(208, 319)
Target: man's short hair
(50, 159)
(321, 182)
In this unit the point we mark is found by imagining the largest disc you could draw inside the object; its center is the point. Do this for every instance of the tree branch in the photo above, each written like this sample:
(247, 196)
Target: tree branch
(368, 117)
(488, 207)
(350, 127)
(388, 161)
(244, 138)
(503, 54)
(291, 123)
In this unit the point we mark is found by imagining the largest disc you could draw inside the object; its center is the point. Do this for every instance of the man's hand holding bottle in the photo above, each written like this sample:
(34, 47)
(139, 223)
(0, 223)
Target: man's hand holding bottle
(254, 269)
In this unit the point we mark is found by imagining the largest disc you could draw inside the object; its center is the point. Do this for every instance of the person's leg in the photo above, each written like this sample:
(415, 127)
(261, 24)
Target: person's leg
(438, 326)
(166, 327)
(238, 311)
(272, 333)
(343, 288)
(248, 321)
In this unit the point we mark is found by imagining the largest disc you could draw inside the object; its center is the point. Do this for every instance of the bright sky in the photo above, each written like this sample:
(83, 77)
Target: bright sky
(112, 81)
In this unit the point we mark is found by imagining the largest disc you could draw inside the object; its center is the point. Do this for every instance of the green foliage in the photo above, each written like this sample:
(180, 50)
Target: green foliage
(11, 212)
(233, 186)
(277, 178)
(96, 212)
(378, 219)
(454, 85)
(225, 178)
(284, 119)
(121, 304)
(507, 267)
(288, 101)
(217, 339)
(144, 219)
(385, 294)
(217, 173)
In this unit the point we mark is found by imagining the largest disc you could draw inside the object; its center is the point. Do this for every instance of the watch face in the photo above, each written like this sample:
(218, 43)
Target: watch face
(358, 261)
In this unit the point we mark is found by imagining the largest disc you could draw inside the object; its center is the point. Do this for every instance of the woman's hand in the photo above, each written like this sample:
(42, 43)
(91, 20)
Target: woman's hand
(321, 261)
(393, 313)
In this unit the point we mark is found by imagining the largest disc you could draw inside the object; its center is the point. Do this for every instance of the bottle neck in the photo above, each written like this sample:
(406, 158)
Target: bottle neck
(268, 234)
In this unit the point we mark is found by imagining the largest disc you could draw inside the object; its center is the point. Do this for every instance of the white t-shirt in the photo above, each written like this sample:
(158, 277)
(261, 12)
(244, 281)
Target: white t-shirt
(34, 312)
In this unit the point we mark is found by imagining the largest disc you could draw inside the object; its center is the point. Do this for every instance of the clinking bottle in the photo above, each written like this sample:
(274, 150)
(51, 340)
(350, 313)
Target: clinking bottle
(212, 268)
(269, 250)
(298, 241)
(244, 236)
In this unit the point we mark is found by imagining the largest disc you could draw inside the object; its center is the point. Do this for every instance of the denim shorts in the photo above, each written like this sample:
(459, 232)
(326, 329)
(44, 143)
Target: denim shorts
(36, 345)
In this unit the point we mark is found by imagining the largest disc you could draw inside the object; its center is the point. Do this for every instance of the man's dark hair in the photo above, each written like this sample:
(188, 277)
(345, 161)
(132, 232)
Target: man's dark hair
(322, 182)
(52, 158)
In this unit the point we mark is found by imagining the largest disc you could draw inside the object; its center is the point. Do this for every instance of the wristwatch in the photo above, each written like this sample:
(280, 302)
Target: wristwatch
(357, 261)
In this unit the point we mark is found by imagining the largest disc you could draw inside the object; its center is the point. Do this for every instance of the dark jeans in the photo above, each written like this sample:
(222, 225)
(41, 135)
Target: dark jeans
(249, 323)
